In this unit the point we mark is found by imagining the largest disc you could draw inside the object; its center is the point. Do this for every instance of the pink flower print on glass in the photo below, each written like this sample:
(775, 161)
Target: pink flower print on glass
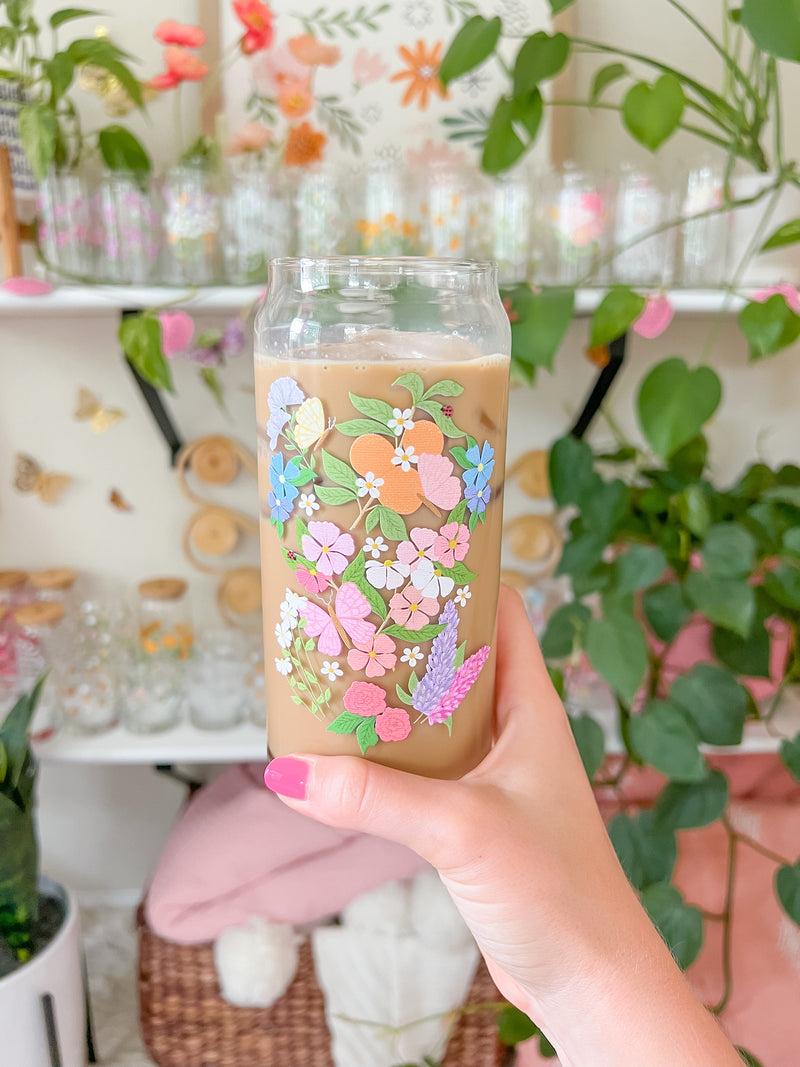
(374, 657)
(451, 544)
(412, 609)
(438, 482)
(368, 67)
(393, 724)
(364, 699)
(419, 547)
(346, 618)
(311, 580)
(328, 547)
(387, 573)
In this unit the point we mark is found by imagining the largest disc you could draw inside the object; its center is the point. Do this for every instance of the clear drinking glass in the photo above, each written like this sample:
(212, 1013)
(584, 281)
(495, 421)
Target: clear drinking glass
(704, 240)
(216, 680)
(151, 694)
(35, 651)
(643, 204)
(65, 229)
(384, 222)
(131, 228)
(573, 228)
(447, 211)
(192, 220)
(382, 392)
(257, 222)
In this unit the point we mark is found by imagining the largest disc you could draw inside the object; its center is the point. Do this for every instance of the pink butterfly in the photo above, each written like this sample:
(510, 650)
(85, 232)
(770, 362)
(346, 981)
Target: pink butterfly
(438, 484)
(346, 619)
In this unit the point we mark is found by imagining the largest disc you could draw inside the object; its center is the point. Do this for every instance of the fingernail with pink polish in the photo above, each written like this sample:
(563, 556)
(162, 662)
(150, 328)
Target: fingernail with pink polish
(287, 776)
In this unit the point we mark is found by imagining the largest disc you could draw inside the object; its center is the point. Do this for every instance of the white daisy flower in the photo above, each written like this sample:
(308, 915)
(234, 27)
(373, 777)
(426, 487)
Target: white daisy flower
(308, 503)
(462, 596)
(295, 601)
(374, 546)
(283, 635)
(283, 666)
(412, 656)
(404, 457)
(428, 578)
(369, 484)
(402, 420)
(386, 574)
(331, 671)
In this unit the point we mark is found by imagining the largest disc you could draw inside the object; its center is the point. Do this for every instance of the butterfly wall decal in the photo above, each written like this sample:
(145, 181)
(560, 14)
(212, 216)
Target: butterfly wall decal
(100, 418)
(344, 620)
(118, 501)
(30, 478)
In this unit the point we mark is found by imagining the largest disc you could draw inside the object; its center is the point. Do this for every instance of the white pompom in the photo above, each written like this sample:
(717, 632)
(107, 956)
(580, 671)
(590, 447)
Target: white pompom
(433, 915)
(256, 962)
(382, 910)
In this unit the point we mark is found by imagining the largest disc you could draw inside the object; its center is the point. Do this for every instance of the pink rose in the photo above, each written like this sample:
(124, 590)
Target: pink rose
(365, 699)
(177, 330)
(393, 725)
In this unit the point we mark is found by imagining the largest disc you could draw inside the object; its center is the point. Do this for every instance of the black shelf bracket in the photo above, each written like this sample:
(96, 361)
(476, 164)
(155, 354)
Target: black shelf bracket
(603, 383)
(153, 399)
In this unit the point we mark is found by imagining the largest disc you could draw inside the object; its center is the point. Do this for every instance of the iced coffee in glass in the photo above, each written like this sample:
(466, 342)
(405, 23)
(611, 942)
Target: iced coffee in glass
(382, 395)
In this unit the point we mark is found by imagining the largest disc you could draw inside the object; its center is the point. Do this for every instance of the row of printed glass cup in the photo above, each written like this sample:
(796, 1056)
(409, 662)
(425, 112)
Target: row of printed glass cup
(196, 227)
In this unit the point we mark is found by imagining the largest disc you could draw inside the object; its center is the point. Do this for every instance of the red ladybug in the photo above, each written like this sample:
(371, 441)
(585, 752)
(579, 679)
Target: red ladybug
(447, 411)
(291, 555)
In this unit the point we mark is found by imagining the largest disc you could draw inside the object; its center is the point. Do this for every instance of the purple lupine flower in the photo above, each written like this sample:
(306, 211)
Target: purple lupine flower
(441, 663)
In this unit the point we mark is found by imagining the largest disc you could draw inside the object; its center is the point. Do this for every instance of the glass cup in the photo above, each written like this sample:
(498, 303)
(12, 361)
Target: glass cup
(216, 680)
(257, 223)
(151, 694)
(704, 237)
(131, 228)
(644, 203)
(65, 225)
(382, 393)
(192, 221)
(573, 228)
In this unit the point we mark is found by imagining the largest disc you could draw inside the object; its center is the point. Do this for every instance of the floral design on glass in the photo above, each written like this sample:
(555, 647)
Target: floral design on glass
(377, 599)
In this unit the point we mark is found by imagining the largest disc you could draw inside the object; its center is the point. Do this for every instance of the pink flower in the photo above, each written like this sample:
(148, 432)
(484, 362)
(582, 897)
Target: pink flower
(257, 19)
(451, 544)
(172, 32)
(412, 609)
(23, 286)
(393, 725)
(328, 547)
(375, 657)
(294, 97)
(271, 69)
(434, 154)
(368, 67)
(788, 292)
(365, 699)
(656, 317)
(161, 82)
(308, 50)
(252, 137)
(419, 547)
(184, 65)
(311, 580)
(177, 330)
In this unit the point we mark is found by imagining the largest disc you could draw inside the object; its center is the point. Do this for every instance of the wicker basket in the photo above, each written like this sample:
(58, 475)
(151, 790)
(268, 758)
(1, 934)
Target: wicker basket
(186, 1023)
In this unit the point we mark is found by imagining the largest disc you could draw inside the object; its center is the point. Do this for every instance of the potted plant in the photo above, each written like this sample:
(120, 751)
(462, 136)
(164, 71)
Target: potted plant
(42, 1005)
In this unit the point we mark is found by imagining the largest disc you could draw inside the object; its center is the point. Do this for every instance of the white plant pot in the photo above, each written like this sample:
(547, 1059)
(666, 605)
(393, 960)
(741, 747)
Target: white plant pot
(55, 970)
(782, 265)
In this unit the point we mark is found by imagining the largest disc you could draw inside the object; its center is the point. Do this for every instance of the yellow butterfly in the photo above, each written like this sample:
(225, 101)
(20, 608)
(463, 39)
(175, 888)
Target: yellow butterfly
(309, 422)
(30, 478)
(90, 410)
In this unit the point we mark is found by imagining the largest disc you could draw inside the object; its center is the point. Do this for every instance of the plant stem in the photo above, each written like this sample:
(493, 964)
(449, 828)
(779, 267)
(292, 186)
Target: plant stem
(730, 63)
(727, 921)
(756, 846)
(777, 118)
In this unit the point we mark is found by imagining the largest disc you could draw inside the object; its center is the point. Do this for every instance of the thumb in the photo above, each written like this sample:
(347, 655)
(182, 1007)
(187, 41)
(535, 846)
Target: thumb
(357, 794)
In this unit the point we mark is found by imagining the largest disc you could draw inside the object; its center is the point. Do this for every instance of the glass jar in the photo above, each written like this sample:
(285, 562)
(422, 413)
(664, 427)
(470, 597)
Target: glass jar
(320, 214)
(383, 219)
(12, 589)
(191, 221)
(643, 204)
(704, 241)
(256, 682)
(131, 228)
(446, 211)
(216, 680)
(151, 694)
(56, 585)
(573, 228)
(257, 225)
(382, 394)
(509, 214)
(165, 618)
(90, 650)
(65, 229)
(35, 649)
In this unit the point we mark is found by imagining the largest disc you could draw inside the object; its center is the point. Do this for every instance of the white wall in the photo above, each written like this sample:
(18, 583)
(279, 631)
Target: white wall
(102, 828)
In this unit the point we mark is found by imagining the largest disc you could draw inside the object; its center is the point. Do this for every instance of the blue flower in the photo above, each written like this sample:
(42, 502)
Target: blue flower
(482, 460)
(280, 478)
(275, 424)
(280, 508)
(478, 497)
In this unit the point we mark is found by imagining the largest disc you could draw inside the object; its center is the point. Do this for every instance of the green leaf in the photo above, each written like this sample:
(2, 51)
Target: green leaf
(414, 383)
(662, 737)
(689, 462)
(791, 541)
(445, 387)
(140, 338)
(366, 734)
(714, 701)
(502, 147)
(67, 14)
(588, 734)
(783, 585)
(665, 610)
(356, 572)
(784, 494)
(338, 472)
(473, 521)
(60, 71)
(788, 234)
(122, 151)
(346, 723)
(604, 506)
(787, 887)
(359, 427)
(392, 525)
(300, 531)
(540, 58)
(774, 25)
(426, 633)
(606, 76)
(38, 131)
(646, 851)
(371, 520)
(444, 422)
(3, 762)
(566, 625)
(571, 470)
(746, 1057)
(729, 551)
(459, 511)
(100, 52)
(616, 313)
(460, 573)
(748, 656)
(375, 409)
(617, 649)
(303, 477)
(769, 326)
(459, 454)
(637, 567)
(675, 403)
(581, 556)
(210, 379)
(688, 805)
(693, 510)
(541, 324)
(334, 494)
(652, 113)
(514, 1026)
(726, 602)
(403, 695)
(413, 680)
(470, 48)
(790, 754)
(680, 924)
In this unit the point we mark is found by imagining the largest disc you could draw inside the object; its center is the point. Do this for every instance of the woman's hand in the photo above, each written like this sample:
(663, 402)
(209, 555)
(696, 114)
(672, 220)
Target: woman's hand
(520, 845)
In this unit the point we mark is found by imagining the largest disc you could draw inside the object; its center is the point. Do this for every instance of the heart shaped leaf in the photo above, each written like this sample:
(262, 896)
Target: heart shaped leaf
(541, 57)
(774, 25)
(617, 312)
(675, 403)
(769, 326)
(787, 886)
(652, 113)
(680, 924)
(470, 48)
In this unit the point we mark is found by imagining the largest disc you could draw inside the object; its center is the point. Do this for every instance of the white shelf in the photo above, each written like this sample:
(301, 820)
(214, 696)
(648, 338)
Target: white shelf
(101, 299)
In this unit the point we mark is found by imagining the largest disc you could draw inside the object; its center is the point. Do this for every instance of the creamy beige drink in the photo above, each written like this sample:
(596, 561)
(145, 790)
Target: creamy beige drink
(380, 479)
